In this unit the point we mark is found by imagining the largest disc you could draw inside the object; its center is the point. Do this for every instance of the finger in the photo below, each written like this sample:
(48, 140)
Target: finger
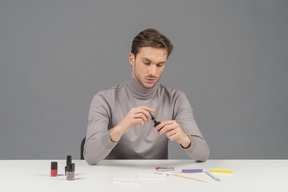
(145, 112)
(139, 121)
(140, 116)
(175, 138)
(141, 110)
(147, 108)
(170, 127)
(162, 130)
(167, 129)
(171, 133)
(163, 124)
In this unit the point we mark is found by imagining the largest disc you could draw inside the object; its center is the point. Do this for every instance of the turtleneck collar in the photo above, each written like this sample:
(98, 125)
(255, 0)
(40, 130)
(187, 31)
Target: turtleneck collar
(139, 91)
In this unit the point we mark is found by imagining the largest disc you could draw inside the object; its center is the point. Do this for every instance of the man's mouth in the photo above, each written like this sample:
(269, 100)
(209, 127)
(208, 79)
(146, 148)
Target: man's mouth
(150, 80)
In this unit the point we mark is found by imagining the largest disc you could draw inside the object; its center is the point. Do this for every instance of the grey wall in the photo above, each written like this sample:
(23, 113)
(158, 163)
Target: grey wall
(230, 59)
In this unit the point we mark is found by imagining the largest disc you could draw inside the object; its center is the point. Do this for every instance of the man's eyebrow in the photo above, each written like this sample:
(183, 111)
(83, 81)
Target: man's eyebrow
(144, 58)
(162, 62)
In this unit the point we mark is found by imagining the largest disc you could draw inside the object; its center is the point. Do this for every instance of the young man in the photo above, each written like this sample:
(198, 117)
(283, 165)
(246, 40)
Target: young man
(120, 125)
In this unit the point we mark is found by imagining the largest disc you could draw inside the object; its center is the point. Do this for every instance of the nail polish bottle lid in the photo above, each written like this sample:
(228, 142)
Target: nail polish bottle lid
(71, 167)
(68, 159)
(54, 165)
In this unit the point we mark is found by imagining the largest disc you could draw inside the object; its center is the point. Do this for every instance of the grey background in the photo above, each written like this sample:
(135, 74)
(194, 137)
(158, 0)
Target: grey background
(230, 59)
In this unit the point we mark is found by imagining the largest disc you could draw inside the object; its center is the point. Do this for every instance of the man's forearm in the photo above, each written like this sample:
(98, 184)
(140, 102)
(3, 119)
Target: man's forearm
(199, 149)
(115, 134)
(98, 147)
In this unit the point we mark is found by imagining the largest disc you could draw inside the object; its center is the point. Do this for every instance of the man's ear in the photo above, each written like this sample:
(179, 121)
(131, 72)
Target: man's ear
(132, 59)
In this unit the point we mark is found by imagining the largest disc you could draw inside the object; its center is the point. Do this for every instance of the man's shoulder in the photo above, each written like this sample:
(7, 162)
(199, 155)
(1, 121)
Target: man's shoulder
(107, 96)
(175, 97)
(170, 91)
(111, 91)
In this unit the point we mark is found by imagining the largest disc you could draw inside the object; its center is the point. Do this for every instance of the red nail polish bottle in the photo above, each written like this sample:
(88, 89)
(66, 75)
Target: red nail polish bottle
(54, 169)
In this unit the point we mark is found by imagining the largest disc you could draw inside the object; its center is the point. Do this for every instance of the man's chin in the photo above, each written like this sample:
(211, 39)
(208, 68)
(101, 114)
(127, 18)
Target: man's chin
(148, 85)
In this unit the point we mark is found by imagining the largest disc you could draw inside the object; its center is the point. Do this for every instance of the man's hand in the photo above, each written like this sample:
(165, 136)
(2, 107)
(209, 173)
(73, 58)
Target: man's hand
(174, 133)
(134, 117)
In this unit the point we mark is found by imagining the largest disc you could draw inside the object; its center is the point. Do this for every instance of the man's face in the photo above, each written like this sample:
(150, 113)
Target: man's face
(148, 65)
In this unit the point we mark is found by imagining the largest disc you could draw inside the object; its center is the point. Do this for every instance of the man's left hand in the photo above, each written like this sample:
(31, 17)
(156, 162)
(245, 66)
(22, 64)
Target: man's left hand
(174, 132)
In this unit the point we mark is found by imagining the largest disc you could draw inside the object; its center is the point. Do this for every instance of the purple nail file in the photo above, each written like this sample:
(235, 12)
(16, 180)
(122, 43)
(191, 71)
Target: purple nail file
(192, 170)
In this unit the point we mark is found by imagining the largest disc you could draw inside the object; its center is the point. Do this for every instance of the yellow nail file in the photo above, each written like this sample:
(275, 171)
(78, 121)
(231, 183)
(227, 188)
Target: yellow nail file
(222, 170)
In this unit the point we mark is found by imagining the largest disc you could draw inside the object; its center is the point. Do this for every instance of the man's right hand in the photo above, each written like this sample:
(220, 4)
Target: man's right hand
(134, 117)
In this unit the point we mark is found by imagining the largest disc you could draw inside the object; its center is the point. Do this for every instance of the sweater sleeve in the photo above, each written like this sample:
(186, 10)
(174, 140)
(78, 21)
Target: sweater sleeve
(199, 149)
(98, 143)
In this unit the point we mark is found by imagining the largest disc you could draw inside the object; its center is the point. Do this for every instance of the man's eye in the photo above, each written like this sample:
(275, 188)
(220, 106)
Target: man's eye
(147, 63)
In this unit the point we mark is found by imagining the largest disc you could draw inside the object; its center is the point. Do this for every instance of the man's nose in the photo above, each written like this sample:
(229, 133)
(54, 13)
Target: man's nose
(152, 70)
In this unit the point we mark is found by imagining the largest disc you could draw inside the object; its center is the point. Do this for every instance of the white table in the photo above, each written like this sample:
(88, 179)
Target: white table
(249, 175)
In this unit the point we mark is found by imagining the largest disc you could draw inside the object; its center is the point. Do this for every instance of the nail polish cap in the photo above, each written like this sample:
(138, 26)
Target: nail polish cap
(54, 165)
(71, 167)
(68, 159)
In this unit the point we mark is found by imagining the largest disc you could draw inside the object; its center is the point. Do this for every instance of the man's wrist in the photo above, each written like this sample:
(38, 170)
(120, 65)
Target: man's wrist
(186, 142)
(115, 134)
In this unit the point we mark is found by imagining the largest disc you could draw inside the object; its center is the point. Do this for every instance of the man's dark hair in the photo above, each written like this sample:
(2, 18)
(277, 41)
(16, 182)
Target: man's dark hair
(151, 38)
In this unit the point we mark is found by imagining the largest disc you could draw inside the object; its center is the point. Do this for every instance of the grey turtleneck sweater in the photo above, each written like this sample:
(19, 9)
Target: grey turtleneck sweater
(109, 107)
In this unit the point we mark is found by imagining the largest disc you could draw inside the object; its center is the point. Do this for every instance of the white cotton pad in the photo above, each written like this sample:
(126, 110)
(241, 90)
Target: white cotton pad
(126, 180)
(152, 176)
